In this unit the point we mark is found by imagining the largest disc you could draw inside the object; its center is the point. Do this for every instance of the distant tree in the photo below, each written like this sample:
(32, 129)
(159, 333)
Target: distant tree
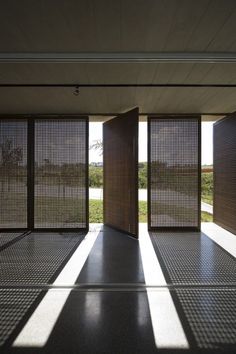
(96, 173)
(95, 177)
(142, 178)
(10, 157)
(97, 145)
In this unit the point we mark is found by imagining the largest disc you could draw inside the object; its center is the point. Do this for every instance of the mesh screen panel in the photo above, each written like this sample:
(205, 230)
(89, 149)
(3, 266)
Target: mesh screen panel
(174, 172)
(60, 173)
(13, 173)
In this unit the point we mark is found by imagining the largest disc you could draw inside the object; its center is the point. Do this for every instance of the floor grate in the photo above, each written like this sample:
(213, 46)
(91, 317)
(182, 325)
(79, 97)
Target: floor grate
(211, 314)
(6, 237)
(193, 258)
(14, 304)
(36, 257)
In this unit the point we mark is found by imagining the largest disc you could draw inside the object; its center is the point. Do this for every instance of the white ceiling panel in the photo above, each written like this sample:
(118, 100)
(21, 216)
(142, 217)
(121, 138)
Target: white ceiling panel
(115, 100)
(121, 25)
(91, 26)
(117, 73)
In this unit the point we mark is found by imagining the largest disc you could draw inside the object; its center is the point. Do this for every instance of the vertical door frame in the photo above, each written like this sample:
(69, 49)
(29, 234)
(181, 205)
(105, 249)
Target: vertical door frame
(20, 119)
(30, 176)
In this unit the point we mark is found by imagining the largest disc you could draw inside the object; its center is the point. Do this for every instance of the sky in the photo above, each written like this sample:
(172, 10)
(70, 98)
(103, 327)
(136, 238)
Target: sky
(95, 133)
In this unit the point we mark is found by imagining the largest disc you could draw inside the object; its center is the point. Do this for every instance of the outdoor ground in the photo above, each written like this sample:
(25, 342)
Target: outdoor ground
(96, 212)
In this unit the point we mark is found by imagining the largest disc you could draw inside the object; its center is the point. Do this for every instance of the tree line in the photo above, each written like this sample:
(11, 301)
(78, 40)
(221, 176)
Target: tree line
(96, 179)
(96, 176)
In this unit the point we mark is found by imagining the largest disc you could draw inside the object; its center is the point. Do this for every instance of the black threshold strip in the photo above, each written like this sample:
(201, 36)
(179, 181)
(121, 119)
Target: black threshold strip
(119, 287)
(19, 303)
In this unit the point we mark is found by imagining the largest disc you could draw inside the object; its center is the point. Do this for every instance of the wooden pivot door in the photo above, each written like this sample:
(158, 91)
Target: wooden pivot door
(224, 162)
(120, 139)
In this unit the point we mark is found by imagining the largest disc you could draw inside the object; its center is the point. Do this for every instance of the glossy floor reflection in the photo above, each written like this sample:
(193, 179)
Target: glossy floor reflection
(77, 293)
(115, 258)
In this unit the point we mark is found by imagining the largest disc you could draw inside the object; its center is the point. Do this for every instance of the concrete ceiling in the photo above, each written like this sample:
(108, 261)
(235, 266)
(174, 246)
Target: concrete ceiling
(139, 26)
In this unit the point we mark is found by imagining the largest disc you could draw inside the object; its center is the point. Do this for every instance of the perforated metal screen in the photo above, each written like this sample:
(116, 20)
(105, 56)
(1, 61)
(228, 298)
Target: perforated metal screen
(174, 172)
(44, 173)
(13, 173)
(60, 188)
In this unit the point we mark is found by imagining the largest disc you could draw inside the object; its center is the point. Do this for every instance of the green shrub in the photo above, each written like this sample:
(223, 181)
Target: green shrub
(95, 177)
(142, 177)
(207, 187)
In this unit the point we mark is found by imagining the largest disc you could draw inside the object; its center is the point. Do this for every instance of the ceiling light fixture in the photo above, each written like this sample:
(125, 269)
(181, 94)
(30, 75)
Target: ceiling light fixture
(76, 91)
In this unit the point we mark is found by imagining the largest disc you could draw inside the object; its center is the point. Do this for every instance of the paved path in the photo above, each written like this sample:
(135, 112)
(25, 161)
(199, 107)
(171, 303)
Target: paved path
(97, 193)
(207, 207)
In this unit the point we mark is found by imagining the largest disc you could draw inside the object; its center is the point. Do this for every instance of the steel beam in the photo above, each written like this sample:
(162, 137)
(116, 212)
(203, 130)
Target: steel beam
(121, 57)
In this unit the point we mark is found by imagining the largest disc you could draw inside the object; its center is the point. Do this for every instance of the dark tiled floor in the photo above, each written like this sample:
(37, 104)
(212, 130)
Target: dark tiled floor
(107, 311)
(106, 322)
(113, 259)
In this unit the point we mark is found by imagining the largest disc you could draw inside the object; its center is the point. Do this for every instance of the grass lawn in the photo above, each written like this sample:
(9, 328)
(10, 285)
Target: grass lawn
(207, 199)
(207, 187)
(57, 211)
(96, 212)
(206, 217)
(66, 211)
